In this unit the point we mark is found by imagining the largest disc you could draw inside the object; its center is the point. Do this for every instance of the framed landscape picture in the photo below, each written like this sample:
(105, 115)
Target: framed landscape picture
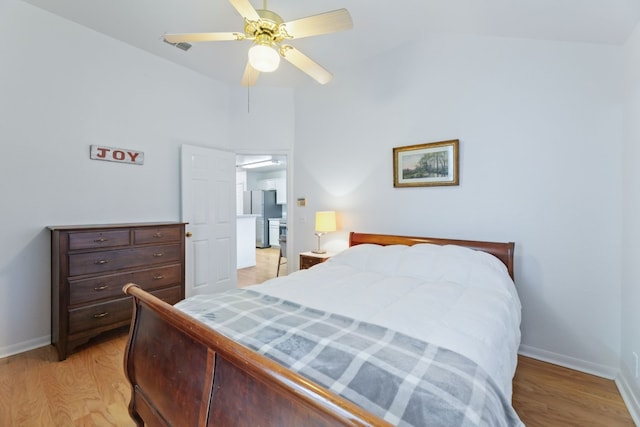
(425, 165)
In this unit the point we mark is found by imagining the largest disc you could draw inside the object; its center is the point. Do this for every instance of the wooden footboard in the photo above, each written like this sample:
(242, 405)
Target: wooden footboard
(183, 373)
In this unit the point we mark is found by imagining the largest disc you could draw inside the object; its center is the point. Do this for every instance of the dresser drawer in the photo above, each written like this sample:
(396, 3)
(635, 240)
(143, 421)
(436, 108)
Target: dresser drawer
(156, 235)
(98, 315)
(109, 286)
(111, 312)
(105, 261)
(157, 278)
(98, 239)
(115, 311)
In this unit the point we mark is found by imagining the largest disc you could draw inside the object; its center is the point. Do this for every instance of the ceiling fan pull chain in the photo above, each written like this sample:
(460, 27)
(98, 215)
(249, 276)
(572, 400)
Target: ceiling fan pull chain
(248, 99)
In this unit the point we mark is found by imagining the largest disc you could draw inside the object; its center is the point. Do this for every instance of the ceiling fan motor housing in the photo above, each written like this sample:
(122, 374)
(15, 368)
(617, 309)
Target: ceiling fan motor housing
(268, 30)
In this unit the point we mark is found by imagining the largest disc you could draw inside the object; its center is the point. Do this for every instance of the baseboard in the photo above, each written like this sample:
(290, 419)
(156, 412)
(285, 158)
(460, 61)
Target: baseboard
(630, 394)
(24, 346)
(603, 371)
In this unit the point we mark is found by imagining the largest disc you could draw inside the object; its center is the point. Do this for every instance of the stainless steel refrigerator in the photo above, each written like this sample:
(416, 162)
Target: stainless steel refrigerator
(262, 203)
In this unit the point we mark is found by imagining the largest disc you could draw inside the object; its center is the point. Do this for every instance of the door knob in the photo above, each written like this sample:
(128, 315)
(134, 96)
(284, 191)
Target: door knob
(189, 234)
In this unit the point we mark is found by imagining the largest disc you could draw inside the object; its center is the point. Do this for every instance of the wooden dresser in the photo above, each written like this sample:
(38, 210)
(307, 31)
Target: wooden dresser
(91, 263)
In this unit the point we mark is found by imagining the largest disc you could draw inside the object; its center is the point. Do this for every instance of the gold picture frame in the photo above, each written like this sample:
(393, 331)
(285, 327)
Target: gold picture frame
(426, 165)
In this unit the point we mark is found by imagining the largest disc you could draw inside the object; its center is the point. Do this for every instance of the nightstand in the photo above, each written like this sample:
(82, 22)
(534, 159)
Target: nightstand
(309, 259)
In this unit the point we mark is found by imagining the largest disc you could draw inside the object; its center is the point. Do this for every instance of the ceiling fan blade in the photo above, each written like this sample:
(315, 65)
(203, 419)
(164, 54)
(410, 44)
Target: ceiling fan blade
(245, 9)
(250, 75)
(328, 22)
(305, 64)
(202, 37)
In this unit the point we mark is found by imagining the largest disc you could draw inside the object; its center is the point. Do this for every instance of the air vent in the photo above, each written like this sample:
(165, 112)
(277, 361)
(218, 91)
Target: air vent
(182, 45)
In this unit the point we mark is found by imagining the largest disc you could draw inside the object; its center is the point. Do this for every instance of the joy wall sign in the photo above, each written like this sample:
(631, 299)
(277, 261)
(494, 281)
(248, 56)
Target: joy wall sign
(120, 155)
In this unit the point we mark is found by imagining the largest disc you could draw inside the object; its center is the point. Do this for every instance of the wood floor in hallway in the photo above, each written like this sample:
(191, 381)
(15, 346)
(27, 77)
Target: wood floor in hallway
(265, 269)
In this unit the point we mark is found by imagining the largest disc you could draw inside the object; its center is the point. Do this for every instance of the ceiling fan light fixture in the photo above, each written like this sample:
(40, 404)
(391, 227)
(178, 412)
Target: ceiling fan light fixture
(264, 58)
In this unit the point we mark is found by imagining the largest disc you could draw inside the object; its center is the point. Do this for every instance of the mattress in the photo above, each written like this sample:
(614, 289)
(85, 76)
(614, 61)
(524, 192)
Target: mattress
(453, 297)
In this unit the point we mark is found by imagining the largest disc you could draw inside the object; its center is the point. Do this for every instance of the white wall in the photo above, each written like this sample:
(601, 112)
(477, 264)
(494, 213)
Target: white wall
(262, 120)
(64, 88)
(631, 225)
(539, 125)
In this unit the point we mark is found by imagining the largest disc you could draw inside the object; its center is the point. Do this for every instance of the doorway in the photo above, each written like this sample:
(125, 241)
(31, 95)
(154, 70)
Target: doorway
(261, 203)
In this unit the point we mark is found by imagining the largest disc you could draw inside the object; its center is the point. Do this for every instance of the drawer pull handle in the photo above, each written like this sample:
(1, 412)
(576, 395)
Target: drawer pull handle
(100, 240)
(158, 254)
(158, 277)
(102, 261)
(100, 288)
(157, 235)
(100, 315)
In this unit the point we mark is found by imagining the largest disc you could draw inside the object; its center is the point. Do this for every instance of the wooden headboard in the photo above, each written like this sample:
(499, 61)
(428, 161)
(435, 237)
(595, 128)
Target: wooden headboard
(502, 251)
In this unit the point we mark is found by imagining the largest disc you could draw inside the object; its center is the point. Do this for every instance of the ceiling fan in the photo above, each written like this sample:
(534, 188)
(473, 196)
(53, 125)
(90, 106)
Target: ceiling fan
(269, 33)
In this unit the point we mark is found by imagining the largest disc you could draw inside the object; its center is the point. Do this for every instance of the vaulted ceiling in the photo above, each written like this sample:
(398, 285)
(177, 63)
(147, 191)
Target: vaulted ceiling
(378, 26)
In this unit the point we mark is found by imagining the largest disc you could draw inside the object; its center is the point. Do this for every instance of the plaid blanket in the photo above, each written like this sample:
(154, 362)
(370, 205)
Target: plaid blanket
(403, 380)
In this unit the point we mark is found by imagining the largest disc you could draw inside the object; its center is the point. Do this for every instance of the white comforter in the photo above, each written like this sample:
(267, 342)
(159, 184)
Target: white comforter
(451, 296)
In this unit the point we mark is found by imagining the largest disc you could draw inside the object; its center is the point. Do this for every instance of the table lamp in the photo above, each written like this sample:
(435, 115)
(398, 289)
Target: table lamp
(325, 223)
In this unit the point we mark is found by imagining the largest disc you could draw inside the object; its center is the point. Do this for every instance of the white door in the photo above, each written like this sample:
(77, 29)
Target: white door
(208, 206)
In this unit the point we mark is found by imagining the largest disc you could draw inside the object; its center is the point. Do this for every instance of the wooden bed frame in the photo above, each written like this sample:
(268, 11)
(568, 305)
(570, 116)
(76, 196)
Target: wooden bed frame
(183, 373)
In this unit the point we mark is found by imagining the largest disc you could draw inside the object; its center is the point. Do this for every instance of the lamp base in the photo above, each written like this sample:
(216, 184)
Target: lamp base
(319, 250)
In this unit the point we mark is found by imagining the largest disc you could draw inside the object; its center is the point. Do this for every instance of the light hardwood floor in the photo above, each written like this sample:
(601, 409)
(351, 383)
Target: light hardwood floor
(550, 395)
(90, 389)
(87, 389)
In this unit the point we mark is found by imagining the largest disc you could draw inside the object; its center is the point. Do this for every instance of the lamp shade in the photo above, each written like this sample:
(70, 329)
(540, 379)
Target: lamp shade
(264, 58)
(325, 221)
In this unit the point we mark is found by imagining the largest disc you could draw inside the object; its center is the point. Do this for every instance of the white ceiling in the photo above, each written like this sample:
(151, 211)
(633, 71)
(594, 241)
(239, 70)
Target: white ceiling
(378, 26)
